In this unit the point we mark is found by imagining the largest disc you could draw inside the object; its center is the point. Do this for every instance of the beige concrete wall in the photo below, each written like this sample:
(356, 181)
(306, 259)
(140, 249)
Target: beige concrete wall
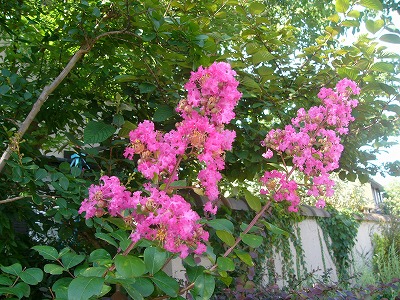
(316, 258)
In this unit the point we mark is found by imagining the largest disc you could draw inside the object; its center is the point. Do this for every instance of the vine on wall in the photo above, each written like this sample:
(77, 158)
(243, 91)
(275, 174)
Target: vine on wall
(340, 232)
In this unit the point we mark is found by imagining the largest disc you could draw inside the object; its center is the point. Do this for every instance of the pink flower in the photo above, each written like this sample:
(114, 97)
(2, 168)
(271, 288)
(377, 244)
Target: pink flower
(313, 143)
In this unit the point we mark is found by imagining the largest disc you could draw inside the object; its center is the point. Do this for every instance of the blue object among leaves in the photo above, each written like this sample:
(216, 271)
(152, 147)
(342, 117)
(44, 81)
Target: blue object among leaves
(79, 161)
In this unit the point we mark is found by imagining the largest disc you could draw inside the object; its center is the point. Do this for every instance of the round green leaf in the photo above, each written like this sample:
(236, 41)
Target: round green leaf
(12, 291)
(82, 288)
(144, 286)
(24, 288)
(341, 6)
(204, 286)
(53, 269)
(93, 272)
(134, 293)
(47, 252)
(244, 257)
(253, 201)
(40, 174)
(221, 224)
(383, 67)
(99, 256)
(163, 113)
(145, 87)
(225, 264)
(390, 38)
(252, 240)
(154, 259)
(129, 266)
(97, 132)
(226, 237)
(166, 283)
(14, 269)
(256, 8)
(32, 276)
(60, 287)
(374, 26)
(72, 259)
(4, 280)
(372, 4)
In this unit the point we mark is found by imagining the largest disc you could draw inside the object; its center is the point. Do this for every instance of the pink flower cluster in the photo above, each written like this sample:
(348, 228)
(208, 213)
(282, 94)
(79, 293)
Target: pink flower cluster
(313, 143)
(157, 217)
(212, 96)
(163, 216)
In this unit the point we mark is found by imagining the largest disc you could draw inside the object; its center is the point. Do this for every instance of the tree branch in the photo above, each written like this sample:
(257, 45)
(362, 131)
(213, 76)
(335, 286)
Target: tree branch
(14, 199)
(47, 90)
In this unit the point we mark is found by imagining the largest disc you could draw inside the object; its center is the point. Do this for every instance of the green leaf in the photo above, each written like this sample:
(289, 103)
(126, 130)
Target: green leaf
(14, 269)
(60, 287)
(145, 88)
(383, 67)
(354, 14)
(350, 23)
(129, 266)
(32, 276)
(12, 291)
(64, 183)
(262, 56)
(394, 108)
(154, 259)
(4, 280)
(75, 171)
(225, 264)
(24, 288)
(118, 120)
(253, 201)
(40, 174)
(97, 132)
(252, 48)
(4, 89)
(72, 259)
(163, 112)
(125, 78)
(374, 26)
(351, 176)
(193, 272)
(204, 286)
(252, 240)
(93, 272)
(251, 83)
(334, 18)
(221, 224)
(390, 38)
(82, 288)
(96, 12)
(126, 129)
(166, 283)
(53, 269)
(372, 4)
(99, 256)
(107, 238)
(348, 72)
(256, 8)
(226, 237)
(341, 6)
(274, 229)
(144, 286)
(133, 292)
(244, 257)
(64, 251)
